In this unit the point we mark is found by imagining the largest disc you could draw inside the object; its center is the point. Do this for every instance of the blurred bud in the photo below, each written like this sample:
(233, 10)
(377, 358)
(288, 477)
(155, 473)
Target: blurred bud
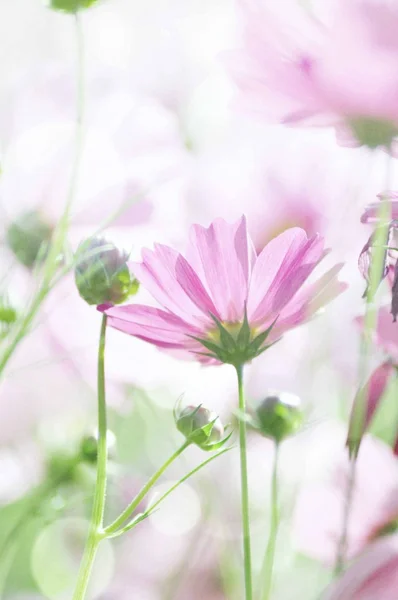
(373, 132)
(201, 426)
(28, 238)
(102, 275)
(8, 316)
(365, 405)
(70, 6)
(278, 416)
(61, 467)
(89, 447)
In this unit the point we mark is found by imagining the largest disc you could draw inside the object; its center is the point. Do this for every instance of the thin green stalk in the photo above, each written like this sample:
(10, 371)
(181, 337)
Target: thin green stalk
(127, 513)
(159, 501)
(268, 568)
(59, 237)
(343, 541)
(244, 489)
(369, 327)
(96, 533)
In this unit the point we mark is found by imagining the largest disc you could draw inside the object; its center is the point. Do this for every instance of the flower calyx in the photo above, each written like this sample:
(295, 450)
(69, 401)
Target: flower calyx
(235, 343)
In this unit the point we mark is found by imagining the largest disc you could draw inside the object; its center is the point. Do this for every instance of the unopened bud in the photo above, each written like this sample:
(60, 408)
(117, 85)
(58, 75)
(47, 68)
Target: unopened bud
(365, 404)
(70, 6)
(278, 416)
(201, 427)
(89, 447)
(28, 238)
(102, 274)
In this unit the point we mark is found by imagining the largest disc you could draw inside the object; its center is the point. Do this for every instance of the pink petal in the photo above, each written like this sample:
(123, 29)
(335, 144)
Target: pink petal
(151, 324)
(223, 256)
(309, 300)
(173, 283)
(374, 576)
(370, 215)
(280, 270)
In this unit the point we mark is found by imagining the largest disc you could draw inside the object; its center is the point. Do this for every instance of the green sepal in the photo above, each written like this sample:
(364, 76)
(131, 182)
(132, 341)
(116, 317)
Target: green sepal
(207, 344)
(244, 334)
(218, 445)
(228, 343)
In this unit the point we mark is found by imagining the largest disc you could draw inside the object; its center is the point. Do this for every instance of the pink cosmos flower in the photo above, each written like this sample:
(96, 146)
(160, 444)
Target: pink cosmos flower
(304, 67)
(319, 510)
(373, 575)
(223, 302)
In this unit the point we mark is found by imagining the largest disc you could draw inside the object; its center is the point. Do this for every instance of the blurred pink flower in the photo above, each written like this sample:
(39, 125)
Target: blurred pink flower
(319, 510)
(219, 278)
(370, 214)
(314, 69)
(386, 334)
(390, 262)
(132, 144)
(373, 576)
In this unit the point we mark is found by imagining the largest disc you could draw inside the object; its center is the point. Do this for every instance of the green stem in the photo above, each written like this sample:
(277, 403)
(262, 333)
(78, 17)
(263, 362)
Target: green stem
(271, 547)
(244, 489)
(52, 260)
(113, 527)
(96, 533)
(343, 541)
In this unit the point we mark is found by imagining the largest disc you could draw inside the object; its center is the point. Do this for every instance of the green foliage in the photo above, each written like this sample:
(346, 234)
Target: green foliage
(28, 237)
(71, 6)
(373, 132)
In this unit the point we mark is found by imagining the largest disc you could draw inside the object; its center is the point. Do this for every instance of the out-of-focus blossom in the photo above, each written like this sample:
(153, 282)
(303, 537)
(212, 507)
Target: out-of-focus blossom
(373, 575)
(390, 263)
(223, 302)
(320, 505)
(302, 66)
(386, 334)
(365, 404)
(277, 416)
(131, 147)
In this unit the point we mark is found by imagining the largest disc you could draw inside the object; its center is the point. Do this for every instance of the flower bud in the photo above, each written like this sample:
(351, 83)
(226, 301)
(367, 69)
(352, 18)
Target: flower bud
(70, 6)
(28, 236)
(365, 404)
(278, 416)
(201, 427)
(89, 447)
(61, 467)
(102, 275)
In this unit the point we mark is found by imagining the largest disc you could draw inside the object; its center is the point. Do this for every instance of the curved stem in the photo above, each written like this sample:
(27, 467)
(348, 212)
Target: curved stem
(113, 527)
(52, 260)
(96, 533)
(269, 559)
(244, 489)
